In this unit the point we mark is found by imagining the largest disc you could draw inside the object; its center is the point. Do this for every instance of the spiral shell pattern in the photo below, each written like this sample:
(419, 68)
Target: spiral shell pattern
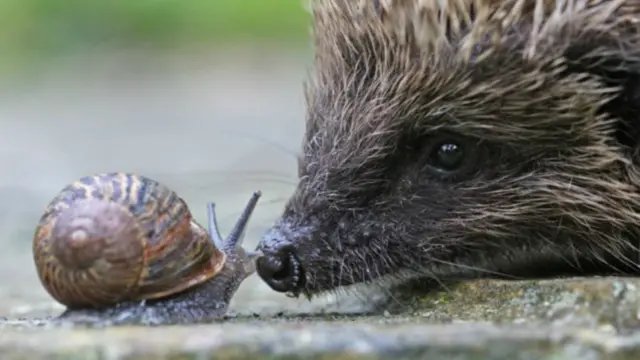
(113, 237)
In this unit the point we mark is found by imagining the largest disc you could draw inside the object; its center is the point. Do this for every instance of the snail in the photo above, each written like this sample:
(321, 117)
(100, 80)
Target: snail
(123, 248)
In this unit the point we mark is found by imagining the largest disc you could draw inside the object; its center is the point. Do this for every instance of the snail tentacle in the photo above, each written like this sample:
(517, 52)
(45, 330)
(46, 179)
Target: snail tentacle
(236, 236)
(214, 229)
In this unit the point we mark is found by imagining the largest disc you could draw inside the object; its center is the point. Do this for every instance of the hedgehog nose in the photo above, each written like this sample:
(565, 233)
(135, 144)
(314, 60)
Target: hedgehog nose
(279, 267)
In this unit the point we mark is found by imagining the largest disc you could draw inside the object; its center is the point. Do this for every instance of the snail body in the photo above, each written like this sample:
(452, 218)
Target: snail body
(114, 238)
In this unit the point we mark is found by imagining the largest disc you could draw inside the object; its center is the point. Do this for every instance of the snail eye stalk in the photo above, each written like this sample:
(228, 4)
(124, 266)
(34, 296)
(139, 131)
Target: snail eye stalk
(236, 236)
(214, 229)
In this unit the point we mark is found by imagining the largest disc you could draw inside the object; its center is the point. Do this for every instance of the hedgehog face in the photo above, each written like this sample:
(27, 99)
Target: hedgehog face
(453, 156)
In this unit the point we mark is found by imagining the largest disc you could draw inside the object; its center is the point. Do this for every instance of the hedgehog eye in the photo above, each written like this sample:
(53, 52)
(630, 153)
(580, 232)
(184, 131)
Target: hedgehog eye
(449, 155)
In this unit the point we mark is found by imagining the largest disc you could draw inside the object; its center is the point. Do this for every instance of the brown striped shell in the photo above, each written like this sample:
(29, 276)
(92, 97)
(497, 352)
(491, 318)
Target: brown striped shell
(115, 237)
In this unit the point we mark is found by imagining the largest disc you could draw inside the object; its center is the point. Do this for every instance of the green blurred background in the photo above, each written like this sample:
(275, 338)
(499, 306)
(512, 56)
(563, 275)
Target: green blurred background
(32, 31)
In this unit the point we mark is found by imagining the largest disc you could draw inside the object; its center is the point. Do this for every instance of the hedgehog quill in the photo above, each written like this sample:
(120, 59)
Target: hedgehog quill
(464, 139)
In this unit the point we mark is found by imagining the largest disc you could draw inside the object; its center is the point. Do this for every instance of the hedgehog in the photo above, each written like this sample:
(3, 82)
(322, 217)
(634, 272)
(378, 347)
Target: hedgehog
(464, 139)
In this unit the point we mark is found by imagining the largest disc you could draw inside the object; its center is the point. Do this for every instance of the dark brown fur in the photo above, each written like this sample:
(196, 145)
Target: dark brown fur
(544, 100)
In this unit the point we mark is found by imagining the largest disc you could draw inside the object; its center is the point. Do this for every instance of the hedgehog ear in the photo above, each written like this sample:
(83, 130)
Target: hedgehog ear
(617, 67)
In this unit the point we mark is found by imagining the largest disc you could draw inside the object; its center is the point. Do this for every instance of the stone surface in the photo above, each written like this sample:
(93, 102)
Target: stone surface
(368, 339)
(578, 301)
(593, 318)
(221, 149)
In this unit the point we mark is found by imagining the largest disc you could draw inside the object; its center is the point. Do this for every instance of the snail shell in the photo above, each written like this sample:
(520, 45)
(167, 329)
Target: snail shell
(116, 237)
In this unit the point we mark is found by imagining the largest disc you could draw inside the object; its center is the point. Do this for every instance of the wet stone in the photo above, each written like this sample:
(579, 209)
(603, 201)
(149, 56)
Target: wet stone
(595, 318)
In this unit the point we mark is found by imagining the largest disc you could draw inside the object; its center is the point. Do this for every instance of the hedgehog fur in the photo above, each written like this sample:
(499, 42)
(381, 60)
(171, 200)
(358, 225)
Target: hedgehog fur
(536, 103)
